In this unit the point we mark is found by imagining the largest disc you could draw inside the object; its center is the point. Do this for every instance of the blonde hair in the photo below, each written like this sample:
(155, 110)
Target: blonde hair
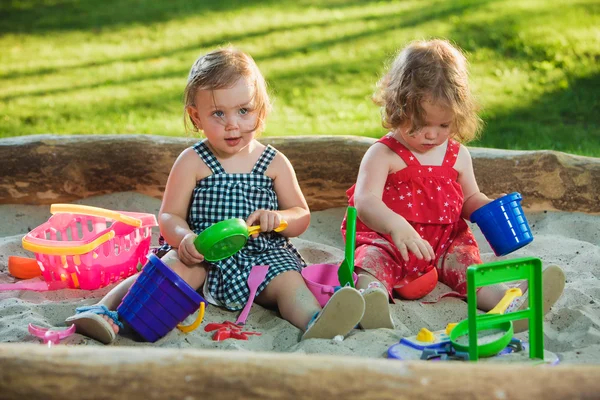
(435, 71)
(221, 69)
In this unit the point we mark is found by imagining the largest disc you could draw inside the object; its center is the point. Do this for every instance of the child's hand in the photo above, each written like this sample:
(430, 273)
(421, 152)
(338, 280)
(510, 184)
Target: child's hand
(187, 251)
(267, 219)
(407, 239)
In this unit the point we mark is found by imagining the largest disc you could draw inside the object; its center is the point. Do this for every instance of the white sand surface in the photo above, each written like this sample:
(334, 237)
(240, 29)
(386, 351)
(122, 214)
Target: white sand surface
(571, 329)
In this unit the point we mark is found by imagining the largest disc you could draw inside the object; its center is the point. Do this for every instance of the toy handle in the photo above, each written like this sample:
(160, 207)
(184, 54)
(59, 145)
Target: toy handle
(256, 228)
(196, 323)
(95, 212)
(351, 217)
(36, 286)
(65, 248)
(509, 296)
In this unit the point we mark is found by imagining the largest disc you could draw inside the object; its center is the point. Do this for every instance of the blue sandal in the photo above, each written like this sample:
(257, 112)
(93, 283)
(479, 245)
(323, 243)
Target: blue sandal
(88, 322)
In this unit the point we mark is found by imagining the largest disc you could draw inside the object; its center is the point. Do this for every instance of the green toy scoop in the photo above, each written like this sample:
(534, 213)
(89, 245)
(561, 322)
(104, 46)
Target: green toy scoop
(227, 237)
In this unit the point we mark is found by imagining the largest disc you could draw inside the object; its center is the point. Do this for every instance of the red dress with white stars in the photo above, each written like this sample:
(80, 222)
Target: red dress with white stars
(431, 200)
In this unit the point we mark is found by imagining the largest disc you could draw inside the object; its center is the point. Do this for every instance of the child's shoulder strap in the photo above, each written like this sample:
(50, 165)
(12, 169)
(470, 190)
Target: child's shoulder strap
(264, 160)
(405, 154)
(208, 157)
(451, 153)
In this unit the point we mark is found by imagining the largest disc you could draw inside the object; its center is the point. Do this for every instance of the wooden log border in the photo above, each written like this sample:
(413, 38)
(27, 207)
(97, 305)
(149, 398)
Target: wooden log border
(46, 169)
(63, 372)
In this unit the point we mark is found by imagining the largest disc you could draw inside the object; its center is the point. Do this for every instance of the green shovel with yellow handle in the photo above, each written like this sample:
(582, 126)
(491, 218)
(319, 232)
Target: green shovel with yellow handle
(347, 267)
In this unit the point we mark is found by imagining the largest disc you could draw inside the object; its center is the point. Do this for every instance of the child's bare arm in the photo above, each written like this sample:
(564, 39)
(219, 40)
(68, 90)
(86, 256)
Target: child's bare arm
(474, 198)
(176, 200)
(292, 204)
(373, 212)
(372, 175)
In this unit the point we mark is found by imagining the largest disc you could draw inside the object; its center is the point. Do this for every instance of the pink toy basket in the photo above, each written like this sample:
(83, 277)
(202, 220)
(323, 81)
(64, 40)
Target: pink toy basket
(90, 247)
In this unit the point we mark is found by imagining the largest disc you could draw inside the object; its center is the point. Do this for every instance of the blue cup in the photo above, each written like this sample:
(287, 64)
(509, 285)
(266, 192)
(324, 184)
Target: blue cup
(503, 224)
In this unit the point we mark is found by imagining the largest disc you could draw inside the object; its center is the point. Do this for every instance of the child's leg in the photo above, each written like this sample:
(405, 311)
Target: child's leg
(299, 306)
(377, 308)
(193, 275)
(462, 253)
(104, 326)
(489, 296)
(553, 284)
(99, 322)
(453, 273)
(288, 292)
(377, 311)
(364, 279)
(461, 256)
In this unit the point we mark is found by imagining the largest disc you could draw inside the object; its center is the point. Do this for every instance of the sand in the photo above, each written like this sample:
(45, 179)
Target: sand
(571, 329)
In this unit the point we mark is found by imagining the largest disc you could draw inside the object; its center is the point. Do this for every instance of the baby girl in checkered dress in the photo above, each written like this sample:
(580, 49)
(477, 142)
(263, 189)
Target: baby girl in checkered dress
(229, 174)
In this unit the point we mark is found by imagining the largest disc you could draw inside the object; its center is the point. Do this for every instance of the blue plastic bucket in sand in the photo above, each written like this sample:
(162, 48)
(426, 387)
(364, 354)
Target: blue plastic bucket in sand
(158, 301)
(503, 224)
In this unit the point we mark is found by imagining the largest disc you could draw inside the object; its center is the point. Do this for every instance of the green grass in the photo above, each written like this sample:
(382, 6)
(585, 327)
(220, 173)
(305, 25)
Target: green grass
(119, 66)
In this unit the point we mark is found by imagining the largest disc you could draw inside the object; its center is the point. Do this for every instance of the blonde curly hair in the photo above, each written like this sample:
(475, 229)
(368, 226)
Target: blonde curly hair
(221, 69)
(432, 70)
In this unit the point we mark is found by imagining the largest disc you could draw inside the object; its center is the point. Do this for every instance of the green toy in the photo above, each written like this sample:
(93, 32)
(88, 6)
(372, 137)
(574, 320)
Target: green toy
(227, 237)
(530, 269)
(346, 268)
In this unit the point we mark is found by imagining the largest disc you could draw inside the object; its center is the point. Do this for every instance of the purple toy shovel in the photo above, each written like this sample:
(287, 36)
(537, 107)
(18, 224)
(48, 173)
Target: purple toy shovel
(256, 277)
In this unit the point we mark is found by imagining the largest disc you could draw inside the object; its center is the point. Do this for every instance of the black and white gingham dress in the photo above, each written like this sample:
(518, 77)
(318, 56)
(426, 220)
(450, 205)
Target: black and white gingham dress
(222, 196)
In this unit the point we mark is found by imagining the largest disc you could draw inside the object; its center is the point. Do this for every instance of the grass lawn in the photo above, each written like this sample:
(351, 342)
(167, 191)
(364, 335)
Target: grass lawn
(119, 66)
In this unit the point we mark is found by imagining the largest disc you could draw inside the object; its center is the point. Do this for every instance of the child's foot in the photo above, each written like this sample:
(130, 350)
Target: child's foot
(339, 316)
(97, 322)
(377, 309)
(553, 284)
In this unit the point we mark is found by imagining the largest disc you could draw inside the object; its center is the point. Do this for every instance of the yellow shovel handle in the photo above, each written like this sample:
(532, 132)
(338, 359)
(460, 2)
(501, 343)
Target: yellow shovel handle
(509, 296)
(256, 228)
(195, 324)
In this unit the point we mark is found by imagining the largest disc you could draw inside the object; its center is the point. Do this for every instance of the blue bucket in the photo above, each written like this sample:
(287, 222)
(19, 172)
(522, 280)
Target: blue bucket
(503, 224)
(157, 301)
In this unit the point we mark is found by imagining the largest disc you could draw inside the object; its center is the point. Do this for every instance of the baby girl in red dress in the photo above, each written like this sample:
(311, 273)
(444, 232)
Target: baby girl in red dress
(416, 185)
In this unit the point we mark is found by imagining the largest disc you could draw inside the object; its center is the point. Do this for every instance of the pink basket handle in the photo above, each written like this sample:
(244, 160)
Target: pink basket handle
(75, 247)
(95, 212)
(327, 289)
